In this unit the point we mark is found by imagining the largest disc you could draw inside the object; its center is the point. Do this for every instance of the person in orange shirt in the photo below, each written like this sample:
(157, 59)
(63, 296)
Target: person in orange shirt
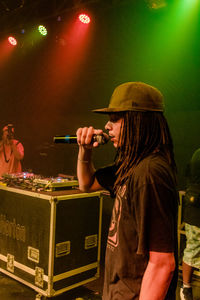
(11, 152)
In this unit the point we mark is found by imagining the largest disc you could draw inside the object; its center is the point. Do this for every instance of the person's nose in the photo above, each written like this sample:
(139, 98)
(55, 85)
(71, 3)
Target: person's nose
(108, 125)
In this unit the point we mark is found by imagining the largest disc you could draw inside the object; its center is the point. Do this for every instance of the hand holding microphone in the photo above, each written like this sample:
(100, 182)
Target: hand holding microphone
(88, 137)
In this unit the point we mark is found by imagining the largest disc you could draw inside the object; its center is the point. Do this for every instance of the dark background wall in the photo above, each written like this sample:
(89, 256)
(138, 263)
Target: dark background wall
(49, 86)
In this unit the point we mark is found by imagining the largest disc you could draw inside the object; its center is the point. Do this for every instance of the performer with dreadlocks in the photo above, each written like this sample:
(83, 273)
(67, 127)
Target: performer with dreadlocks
(141, 254)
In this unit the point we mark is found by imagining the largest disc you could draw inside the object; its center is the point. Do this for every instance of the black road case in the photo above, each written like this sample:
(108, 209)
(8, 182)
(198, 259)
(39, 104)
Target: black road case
(50, 241)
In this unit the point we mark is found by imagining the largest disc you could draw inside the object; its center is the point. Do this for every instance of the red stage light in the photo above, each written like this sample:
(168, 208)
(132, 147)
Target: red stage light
(12, 40)
(84, 18)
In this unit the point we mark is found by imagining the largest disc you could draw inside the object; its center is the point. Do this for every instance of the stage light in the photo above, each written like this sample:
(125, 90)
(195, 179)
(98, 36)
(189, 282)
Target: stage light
(189, 4)
(12, 40)
(42, 30)
(156, 4)
(84, 18)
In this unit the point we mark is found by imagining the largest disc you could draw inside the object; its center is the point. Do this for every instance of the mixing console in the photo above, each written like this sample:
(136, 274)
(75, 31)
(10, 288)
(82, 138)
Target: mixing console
(34, 182)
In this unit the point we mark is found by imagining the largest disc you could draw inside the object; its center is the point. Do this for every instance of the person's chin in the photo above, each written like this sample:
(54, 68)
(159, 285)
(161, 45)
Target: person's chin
(115, 144)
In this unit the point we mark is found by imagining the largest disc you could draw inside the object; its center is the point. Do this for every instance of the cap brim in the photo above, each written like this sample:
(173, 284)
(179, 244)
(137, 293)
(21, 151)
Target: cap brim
(109, 110)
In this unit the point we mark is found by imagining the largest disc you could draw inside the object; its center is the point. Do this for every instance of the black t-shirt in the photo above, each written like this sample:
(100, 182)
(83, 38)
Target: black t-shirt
(144, 219)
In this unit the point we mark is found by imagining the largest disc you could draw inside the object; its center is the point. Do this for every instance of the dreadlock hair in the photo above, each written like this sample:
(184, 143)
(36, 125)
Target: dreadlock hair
(142, 133)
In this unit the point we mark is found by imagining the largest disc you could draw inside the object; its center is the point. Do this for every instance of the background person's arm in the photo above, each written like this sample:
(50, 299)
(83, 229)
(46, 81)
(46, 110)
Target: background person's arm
(18, 149)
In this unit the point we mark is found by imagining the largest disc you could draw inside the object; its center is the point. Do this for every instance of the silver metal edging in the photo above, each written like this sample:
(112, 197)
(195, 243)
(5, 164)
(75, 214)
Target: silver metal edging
(73, 286)
(42, 292)
(75, 272)
(25, 192)
(79, 195)
(22, 267)
(3, 258)
(23, 281)
(48, 197)
(51, 245)
(100, 226)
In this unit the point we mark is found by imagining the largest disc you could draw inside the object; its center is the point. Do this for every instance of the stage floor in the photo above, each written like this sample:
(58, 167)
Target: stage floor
(13, 290)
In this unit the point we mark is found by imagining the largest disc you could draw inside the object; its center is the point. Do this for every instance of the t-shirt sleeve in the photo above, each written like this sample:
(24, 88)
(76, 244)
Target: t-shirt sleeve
(106, 177)
(155, 209)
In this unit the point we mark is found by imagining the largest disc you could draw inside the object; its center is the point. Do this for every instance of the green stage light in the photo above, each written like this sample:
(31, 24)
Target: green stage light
(42, 30)
(190, 2)
(186, 6)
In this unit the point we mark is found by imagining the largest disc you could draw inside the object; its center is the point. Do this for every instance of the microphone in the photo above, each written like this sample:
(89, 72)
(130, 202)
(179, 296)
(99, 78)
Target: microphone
(102, 139)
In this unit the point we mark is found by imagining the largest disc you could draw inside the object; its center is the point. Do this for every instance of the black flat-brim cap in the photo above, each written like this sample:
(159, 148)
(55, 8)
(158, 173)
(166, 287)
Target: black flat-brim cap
(134, 96)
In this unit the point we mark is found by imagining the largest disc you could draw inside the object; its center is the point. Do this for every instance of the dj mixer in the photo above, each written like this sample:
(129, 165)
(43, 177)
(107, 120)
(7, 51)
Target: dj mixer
(30, 181)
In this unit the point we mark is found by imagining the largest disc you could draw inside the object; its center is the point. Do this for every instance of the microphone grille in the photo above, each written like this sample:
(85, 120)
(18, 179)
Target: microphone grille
(101, 138)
